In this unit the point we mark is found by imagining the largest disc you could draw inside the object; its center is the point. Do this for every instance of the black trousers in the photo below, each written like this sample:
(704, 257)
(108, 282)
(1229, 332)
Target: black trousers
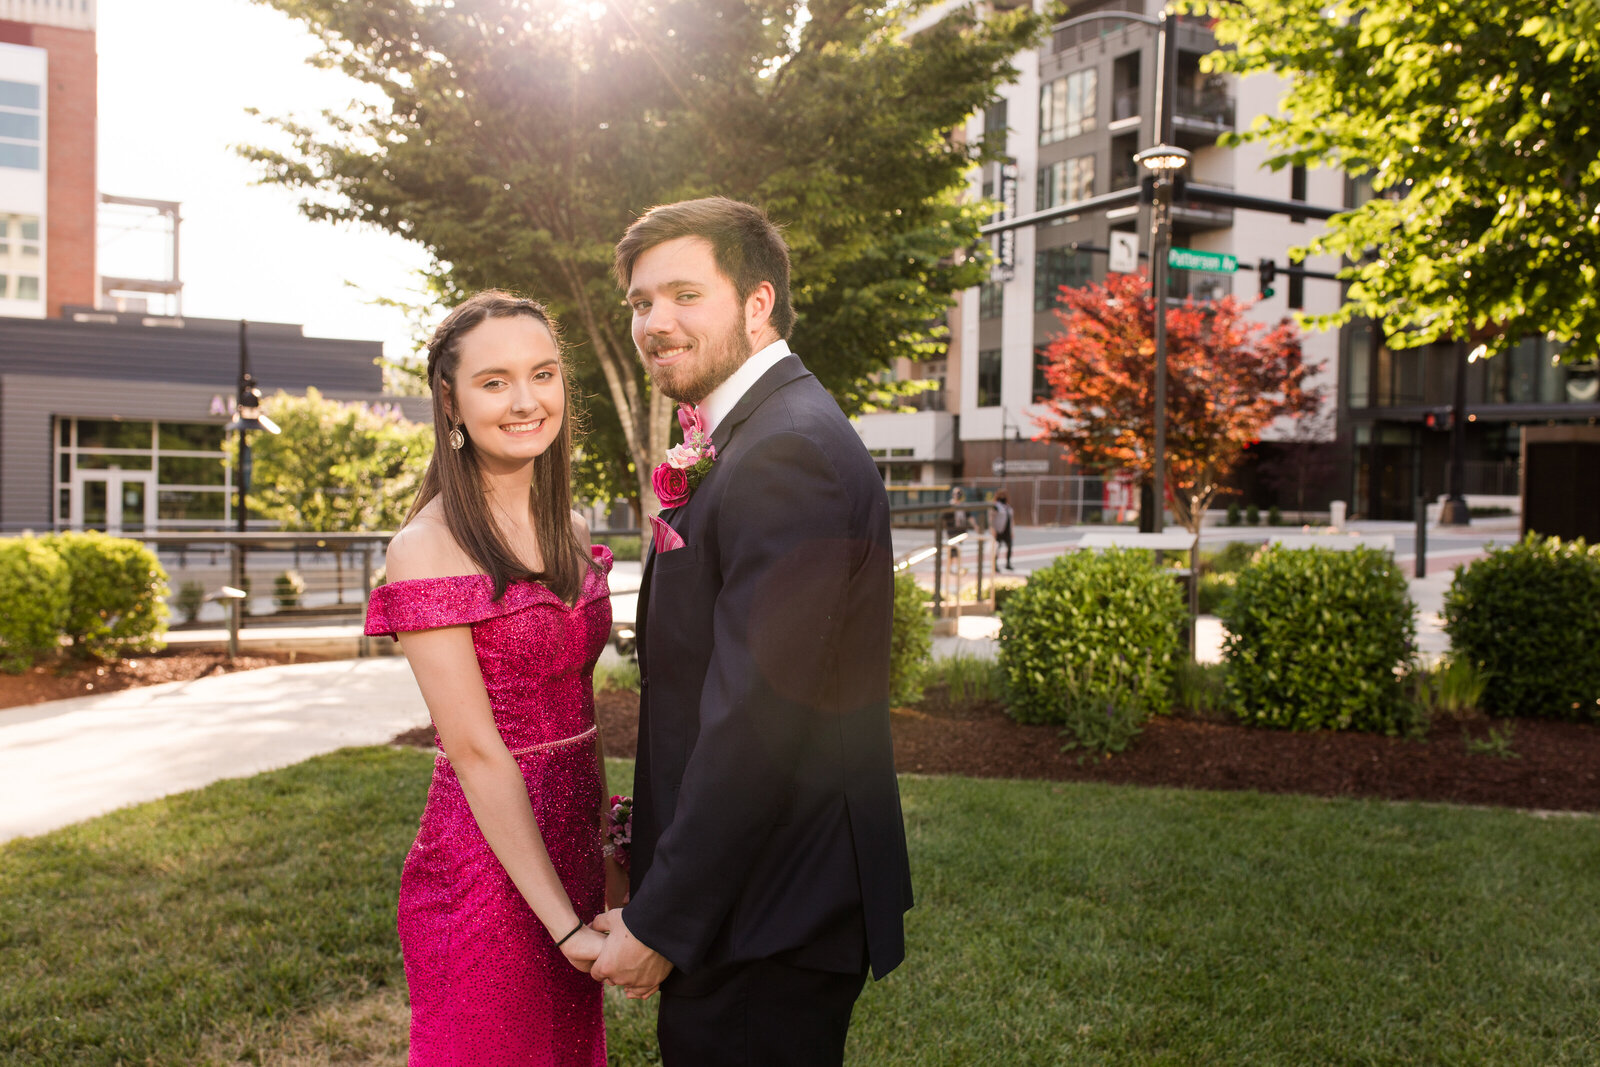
(1003, 539)
(765, 1014)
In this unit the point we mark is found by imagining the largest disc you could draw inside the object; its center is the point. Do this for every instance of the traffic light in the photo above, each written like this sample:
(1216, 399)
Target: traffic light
(1439, 419)
(1266, 273)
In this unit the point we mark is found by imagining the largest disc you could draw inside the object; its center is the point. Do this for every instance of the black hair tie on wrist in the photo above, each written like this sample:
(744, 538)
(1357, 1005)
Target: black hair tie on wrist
(574, 930)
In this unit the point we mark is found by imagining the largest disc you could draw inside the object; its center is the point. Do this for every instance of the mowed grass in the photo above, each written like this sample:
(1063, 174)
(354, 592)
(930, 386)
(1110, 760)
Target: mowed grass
(1055, 924)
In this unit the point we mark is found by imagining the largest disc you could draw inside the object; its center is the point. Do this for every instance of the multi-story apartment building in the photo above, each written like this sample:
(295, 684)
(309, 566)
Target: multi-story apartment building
(47, 156)
(1069, 126)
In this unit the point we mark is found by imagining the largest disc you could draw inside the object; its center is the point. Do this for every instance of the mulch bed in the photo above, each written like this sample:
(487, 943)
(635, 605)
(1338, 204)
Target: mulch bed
(1556, 765)
(71, 678)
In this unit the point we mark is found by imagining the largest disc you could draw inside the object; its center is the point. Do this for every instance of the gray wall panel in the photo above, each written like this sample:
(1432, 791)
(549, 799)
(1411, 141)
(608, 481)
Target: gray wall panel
(200, 352)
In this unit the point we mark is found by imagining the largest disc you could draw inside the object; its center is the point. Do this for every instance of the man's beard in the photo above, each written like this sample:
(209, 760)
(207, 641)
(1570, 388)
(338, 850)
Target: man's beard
(720, 357)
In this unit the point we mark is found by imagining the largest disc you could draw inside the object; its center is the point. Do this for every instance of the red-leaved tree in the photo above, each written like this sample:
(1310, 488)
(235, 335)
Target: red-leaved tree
(1227, 379)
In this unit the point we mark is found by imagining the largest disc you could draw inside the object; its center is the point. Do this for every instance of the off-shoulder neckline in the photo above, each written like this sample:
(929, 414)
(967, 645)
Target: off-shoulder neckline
(600, 553)
(606, 562)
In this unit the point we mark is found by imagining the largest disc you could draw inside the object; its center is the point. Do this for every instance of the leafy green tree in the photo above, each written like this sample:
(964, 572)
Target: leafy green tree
(335, 466)
(516, 139)
(1475, 123)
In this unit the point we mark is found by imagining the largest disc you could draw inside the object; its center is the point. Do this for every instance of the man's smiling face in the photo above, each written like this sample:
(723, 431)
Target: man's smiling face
(690, 326)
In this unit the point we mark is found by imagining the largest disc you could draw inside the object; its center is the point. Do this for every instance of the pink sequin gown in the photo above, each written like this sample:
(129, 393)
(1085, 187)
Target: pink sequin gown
(488, 986)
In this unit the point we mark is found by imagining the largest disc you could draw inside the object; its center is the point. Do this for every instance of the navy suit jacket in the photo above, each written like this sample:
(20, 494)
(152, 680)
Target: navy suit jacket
(767, 817)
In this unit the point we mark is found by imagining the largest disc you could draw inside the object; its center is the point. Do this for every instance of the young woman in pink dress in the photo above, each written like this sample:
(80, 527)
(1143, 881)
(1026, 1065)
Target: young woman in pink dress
(502, 609)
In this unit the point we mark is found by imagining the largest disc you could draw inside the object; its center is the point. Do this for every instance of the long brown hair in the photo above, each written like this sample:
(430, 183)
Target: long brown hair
(455, 477)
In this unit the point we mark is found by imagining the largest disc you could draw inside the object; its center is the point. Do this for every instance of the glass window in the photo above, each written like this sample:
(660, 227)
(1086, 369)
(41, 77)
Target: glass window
(191, 437)
(1066, 182)
(991, 300)
(1054, 268)
(66, 466)
(190, 504)
(5, 286)
(29, 226)
(19, 156)
(65, 429)
(113, 433)
(1041, 384)
(97, 461)
(989, 378)
(21, 126)
(27, 287)
(1067, 106)
(19, 94)
(192, 470)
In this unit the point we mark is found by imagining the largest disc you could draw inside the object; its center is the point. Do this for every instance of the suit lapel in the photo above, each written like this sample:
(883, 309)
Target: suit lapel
(786, 370)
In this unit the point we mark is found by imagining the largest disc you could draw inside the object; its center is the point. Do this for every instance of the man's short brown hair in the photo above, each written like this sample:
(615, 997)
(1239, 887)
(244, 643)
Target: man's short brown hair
(747, 247)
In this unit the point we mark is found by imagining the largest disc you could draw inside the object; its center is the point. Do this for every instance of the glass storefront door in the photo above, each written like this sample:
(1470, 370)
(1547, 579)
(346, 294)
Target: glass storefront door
(116, 501)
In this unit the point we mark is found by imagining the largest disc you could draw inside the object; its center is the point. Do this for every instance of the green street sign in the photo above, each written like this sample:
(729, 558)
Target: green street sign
(1189, 259)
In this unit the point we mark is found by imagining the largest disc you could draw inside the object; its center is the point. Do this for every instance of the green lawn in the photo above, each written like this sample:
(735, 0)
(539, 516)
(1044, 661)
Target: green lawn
(1055, 923)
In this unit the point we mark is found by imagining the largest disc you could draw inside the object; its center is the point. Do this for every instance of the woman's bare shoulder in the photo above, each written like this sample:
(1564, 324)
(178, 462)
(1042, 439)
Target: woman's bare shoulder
(424, 548)
(580, 529)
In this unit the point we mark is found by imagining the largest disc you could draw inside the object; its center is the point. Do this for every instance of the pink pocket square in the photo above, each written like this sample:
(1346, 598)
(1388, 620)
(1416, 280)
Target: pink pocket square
(666, 538)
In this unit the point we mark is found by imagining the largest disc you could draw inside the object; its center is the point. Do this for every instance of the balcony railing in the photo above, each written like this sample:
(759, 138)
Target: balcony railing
(1210, 104)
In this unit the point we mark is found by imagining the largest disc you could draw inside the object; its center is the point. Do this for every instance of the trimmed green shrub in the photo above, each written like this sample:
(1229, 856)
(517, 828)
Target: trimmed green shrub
(1235, 514)
(118, 598)
(1528, 617)
(1252, 515)
(1088, 632)
(1214, 589)
(287, 589)
(1231, 558)
(34, 589)
(911, 643)
(191, 596)
(1274, 516)
(1318, 639)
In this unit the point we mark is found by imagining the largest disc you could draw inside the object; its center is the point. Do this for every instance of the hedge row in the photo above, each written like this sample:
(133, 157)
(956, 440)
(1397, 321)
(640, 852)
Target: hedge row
(98, 595)
(1092, 643)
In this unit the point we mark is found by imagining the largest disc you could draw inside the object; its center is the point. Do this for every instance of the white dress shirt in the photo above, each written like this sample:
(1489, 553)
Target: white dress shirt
(722, 400)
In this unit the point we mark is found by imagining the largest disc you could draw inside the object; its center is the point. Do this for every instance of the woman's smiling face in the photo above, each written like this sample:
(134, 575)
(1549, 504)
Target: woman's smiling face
(508, 394)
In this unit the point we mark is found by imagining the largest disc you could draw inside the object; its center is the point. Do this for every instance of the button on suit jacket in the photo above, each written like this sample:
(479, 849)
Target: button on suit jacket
(767, 816)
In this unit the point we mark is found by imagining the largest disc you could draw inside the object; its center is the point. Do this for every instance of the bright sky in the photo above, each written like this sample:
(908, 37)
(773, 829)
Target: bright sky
(175, 80)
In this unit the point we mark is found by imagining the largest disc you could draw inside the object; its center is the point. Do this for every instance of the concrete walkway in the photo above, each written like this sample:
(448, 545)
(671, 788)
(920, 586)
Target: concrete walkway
(69, 760)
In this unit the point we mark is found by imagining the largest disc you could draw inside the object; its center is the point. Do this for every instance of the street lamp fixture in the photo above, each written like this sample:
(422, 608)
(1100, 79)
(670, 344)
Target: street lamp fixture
(1164, 161)
(246, 417)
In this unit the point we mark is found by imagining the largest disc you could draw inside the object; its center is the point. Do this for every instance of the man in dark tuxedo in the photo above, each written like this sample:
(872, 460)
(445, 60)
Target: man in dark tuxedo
(768, 866)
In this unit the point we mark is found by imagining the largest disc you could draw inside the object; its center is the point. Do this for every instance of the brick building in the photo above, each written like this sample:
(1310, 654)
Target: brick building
(47, 156)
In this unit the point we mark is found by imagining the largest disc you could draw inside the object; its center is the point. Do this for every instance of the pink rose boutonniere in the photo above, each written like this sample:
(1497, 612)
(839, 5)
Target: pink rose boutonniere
(687, 464)
(619, 830)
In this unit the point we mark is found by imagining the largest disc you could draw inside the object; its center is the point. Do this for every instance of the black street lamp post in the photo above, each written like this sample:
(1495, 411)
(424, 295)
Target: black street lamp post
(1165, 162)
(246, 417)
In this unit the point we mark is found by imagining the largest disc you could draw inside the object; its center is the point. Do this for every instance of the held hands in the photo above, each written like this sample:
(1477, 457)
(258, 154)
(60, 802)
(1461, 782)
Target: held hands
(583, 948)
(626, 961)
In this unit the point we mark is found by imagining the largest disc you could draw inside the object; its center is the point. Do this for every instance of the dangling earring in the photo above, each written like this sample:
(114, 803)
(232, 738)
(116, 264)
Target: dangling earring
(457, 439)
